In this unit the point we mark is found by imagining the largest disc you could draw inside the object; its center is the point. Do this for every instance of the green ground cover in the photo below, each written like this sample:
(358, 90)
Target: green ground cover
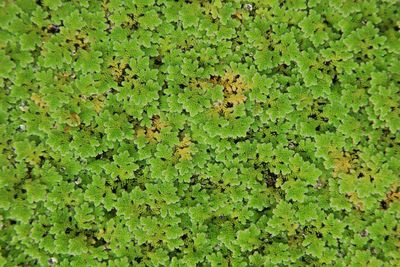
(199, 133)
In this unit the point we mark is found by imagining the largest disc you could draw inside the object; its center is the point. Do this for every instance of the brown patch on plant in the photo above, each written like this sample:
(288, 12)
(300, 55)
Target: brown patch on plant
(38, 100)
(152, 134)
(357, 202)
(392, 196)
(343, 162)
(234, 88)
(184, 151)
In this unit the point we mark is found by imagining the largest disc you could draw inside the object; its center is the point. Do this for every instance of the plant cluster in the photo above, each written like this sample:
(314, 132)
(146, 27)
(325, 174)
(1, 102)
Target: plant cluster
(199, 133)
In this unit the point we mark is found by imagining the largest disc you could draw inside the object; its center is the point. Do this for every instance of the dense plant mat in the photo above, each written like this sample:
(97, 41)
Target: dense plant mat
(199, 133)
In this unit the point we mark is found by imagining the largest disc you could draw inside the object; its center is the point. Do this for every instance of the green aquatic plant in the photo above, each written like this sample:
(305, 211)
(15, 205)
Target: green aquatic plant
(199, 133)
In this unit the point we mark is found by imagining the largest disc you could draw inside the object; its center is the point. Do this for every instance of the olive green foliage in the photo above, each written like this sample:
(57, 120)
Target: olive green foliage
(199, 133)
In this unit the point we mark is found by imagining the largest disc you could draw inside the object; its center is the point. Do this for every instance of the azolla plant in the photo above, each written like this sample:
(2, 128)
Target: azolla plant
(199, 133)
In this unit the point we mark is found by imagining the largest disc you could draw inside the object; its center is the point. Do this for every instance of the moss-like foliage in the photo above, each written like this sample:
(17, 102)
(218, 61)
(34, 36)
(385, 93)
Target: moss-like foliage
(199, 133)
